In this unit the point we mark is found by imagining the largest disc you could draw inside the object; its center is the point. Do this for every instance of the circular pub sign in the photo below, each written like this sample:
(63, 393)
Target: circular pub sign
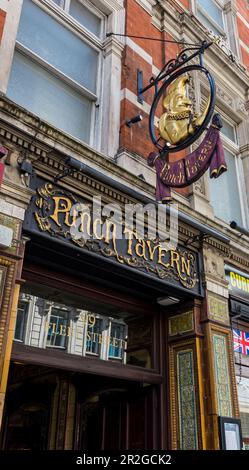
(179, 126)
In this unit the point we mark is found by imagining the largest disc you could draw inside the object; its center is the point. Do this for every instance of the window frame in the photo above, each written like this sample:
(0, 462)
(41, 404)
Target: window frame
(68, 324)
(106, 334)
(212, 20)
(86, 36)
(27, 303)
(89, 6)
(86, 353)
(121, 323)
(233, 148)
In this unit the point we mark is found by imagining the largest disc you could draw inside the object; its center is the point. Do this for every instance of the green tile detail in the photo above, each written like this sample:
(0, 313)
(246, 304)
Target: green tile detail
(223, 391)
(187, 401)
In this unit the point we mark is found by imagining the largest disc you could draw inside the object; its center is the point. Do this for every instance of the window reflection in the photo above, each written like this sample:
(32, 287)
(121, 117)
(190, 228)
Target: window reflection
(96, 331)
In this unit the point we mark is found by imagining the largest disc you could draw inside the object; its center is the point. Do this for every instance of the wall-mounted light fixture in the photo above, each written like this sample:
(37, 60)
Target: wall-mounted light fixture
(72, 165)
(134, 120)
(166, 301)
(240, 229)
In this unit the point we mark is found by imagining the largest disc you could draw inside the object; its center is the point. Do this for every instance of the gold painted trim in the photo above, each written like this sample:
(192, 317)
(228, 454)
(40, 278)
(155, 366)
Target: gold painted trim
(173, 387)
(201, 393)
(5, 324)
(231, 365)
(6, 300)
(10, 337)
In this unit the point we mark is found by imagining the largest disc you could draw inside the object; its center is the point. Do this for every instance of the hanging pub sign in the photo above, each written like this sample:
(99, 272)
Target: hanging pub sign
(180, 126)
(61, 215)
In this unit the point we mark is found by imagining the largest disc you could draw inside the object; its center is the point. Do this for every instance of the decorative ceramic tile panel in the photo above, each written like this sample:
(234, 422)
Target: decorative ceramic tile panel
(223, 391)
(187, 401)
(218, 308)
(181, 323)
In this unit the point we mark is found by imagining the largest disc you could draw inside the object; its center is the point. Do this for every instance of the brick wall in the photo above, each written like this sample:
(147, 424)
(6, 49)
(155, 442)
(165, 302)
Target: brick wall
(2, 23)
(243, 29)
(150, 56)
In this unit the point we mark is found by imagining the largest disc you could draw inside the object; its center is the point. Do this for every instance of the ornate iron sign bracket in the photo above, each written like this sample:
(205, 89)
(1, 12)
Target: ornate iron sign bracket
(170, 72)
(171, 66)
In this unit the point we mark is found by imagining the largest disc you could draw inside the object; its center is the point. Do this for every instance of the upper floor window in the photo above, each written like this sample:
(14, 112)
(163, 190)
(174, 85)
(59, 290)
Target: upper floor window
(226, 191)
(83, 14)
(211, 15)
(56, 67)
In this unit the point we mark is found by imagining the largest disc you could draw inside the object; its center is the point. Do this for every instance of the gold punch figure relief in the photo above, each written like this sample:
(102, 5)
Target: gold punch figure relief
(179, 121)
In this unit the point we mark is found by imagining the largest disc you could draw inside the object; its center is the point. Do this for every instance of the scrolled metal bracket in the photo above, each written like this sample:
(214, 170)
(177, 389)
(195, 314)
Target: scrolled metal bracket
(171, 66)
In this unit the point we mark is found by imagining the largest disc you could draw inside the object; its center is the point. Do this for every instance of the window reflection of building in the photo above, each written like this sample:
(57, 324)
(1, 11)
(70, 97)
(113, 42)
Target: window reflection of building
(94, 336)
(45, 323)
(21, 320)
(57, 328)
(117, 339)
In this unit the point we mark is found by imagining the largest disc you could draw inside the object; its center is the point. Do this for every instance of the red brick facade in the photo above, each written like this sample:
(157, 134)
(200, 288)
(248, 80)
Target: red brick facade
(152, 55)
(2, 22)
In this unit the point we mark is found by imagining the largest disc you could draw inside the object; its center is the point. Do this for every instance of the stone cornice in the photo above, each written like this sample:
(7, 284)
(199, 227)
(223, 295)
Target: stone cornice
(239, 260)
(244, 151)
(112, 45)
(20, 195)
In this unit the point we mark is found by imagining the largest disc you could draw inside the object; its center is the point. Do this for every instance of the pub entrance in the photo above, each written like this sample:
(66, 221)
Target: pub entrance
(52, 409)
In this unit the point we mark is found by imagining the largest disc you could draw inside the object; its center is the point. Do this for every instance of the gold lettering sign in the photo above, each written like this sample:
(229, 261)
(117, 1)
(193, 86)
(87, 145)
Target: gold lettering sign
(55, 214)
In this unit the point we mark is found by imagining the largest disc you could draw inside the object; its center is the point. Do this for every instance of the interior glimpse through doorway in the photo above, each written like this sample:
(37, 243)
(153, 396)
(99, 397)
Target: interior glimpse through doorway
(56, 409)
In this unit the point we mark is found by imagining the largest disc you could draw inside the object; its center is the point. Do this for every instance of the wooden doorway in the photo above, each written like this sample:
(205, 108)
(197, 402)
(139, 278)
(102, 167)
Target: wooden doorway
(119, 419)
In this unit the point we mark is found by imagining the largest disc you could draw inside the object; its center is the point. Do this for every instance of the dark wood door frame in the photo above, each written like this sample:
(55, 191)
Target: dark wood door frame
(91, 291)
(74, 363)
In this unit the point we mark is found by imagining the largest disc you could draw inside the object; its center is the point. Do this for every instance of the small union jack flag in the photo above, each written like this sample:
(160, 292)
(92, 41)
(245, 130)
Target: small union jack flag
(241, 341)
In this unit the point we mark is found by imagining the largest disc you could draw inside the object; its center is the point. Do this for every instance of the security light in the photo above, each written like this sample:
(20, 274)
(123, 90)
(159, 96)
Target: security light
(240, 229)
(166, 301)
(134, 120)
(74, 163)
